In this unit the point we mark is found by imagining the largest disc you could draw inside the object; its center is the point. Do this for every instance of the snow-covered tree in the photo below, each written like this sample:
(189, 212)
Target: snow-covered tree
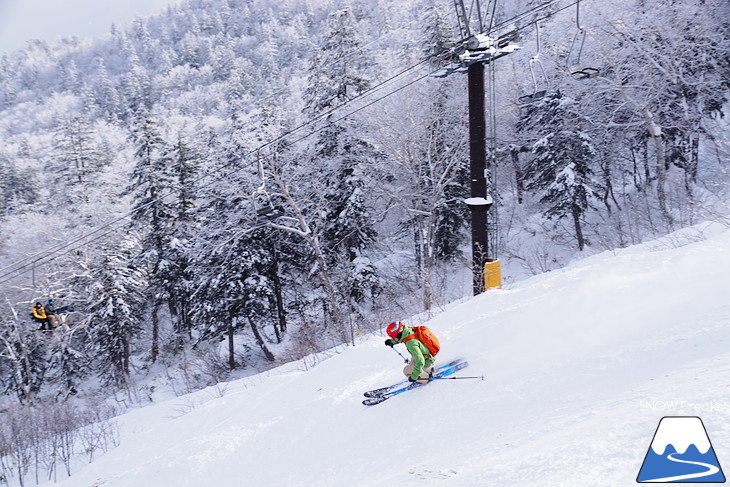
(346, 227)
(76, 162)
(116, 303)
(561, 171)
(152, 190)
(178, 280)
(70, 363)
(22, 358)
(338, 66)
(668, 87)
(17, 189)
(426, 164)
(105, 94)
(233, 288)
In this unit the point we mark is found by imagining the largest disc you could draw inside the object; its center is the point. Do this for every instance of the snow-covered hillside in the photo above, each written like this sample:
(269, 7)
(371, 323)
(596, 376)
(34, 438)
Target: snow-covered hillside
(580, 366)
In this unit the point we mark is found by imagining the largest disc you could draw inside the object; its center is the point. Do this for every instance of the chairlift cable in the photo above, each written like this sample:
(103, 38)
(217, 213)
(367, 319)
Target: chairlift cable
(494, 234)
(533, 10)
(19, 267)
(379, 86)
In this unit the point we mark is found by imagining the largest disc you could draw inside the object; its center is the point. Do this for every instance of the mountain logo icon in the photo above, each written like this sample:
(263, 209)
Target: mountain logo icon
(681, 452)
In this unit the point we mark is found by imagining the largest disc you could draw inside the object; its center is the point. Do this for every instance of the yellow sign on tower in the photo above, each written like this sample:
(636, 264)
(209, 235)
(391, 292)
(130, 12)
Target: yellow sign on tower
(492, 274)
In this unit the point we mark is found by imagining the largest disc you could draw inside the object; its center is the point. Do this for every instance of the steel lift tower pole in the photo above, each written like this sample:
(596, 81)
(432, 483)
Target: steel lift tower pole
(479, 203)
(478, 46)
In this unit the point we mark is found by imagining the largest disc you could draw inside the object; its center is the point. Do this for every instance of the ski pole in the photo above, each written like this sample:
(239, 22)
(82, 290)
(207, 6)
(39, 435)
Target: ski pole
(401, 356)
(456, 378)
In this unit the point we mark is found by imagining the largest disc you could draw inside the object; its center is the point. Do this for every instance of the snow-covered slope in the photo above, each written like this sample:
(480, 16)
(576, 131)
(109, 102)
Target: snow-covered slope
(580, 366)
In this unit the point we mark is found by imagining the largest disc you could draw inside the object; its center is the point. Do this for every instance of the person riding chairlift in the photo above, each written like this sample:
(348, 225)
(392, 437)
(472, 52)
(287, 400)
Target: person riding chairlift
(52, 314)
(39, 314)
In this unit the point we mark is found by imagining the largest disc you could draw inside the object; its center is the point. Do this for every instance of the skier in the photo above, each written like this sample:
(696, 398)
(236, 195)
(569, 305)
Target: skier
(420, 367)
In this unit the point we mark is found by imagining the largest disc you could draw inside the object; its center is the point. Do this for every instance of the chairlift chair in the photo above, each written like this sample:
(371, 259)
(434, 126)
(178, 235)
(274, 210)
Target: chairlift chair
(262, 202)
(265, 209)
(576, 69)
(537, 93)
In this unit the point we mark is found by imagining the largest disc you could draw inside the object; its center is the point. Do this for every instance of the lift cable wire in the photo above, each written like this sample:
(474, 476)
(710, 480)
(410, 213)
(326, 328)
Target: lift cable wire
(23, 265)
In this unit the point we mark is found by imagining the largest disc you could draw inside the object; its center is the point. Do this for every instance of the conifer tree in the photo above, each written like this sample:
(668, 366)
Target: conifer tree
(70, 362)
(561, 170)
(233, 290)
(78, 159)
(343, 154)
(106, 94)
(153, 212)
(115, 310)
(438, 34)
(178, 278)
(17, 191)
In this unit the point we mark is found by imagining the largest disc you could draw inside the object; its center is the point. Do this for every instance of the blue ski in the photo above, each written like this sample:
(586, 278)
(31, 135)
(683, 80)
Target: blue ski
(383, 390)
(443, 371)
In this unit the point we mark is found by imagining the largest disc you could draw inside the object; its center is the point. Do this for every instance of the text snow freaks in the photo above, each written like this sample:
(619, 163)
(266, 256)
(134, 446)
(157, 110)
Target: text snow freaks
(682, 407)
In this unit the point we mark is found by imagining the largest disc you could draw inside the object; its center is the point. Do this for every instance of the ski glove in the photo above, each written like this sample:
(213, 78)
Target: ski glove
(390, 342)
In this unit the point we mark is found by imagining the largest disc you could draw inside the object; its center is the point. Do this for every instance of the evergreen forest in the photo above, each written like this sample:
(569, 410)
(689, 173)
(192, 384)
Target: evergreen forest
(236, 184)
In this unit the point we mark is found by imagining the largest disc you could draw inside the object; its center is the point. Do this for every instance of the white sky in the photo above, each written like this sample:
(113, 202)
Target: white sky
(52, 20)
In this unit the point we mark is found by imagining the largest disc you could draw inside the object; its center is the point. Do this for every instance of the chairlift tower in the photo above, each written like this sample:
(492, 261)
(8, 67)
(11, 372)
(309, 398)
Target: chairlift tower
(479, 46)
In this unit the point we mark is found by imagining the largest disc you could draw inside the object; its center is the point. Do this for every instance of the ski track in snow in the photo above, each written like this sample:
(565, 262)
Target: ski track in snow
(570, 357)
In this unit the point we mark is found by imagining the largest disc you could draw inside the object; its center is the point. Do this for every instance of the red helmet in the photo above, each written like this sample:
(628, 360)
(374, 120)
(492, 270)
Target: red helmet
(394, 329)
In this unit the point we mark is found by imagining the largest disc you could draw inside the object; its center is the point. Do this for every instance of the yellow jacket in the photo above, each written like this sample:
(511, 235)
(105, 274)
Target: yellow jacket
(39, 312)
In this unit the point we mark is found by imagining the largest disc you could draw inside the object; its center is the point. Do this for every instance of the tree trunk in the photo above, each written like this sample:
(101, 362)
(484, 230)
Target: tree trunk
(259, 339)
(172, 308)
(155, 349)
(578, 229)
(694, 157)
(635, 171)
(609, 187)
(690, 171)
(655, 131)
(231, 354)
(514, 153)
(186, 319)
(278, 296)
(423, 241)
(125, 355)
(645, 157)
